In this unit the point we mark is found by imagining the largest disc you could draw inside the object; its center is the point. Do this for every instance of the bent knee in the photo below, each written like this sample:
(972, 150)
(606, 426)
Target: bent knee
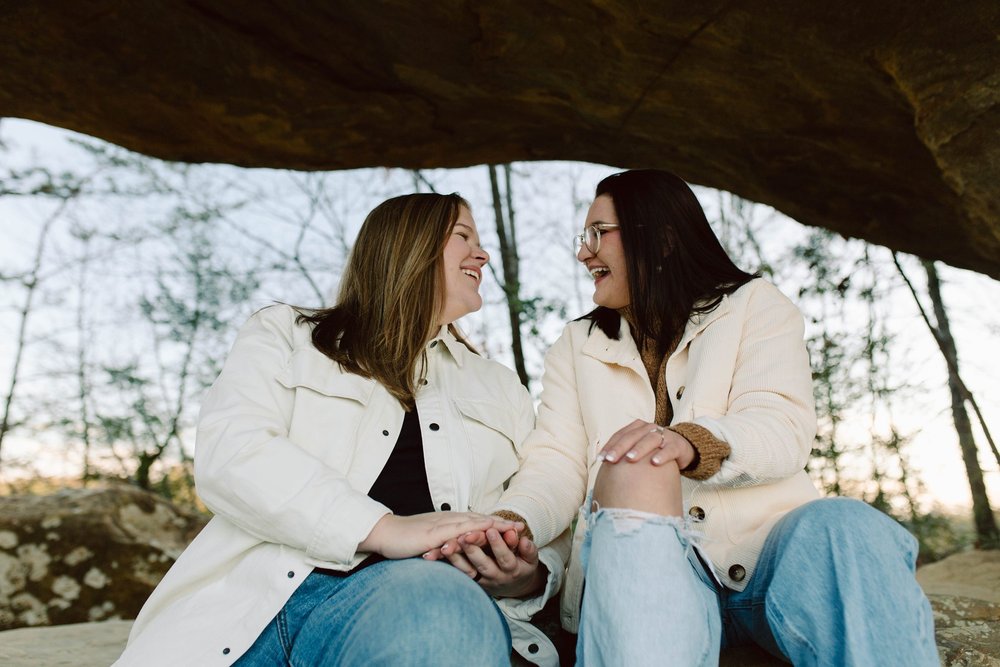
(417, 595)
(642, 475)
(436, 588)
(850, 521)
(842, 514)
(640, 486)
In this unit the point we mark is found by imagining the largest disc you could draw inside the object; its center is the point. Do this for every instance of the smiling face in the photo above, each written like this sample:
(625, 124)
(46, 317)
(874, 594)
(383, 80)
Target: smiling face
(463, 262)
(607, 267)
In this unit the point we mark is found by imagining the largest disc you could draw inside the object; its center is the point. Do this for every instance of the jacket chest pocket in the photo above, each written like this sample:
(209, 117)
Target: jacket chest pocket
(489, 429)
(329, 406)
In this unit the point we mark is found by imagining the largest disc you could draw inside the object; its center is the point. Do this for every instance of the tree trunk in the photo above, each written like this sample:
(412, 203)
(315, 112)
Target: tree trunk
(82, 373)
(986, 526)
(508, 257)
(31, 283)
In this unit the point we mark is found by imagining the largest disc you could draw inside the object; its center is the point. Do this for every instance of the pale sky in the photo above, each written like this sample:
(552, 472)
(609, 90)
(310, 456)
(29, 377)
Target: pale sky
(973, 301)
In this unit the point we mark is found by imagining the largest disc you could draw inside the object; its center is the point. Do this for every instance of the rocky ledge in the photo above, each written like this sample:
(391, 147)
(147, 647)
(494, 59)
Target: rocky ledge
(74, 564)
(968, 635)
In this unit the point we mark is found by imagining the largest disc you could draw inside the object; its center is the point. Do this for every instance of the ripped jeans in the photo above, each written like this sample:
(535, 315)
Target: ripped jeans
(834, 585)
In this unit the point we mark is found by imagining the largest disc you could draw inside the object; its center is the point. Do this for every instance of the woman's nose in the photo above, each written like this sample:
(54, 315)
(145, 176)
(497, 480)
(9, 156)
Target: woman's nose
(481, 255)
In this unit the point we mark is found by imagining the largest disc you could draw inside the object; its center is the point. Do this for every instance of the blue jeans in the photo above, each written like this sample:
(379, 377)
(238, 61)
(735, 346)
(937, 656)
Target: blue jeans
(834, 586)
(396, 612)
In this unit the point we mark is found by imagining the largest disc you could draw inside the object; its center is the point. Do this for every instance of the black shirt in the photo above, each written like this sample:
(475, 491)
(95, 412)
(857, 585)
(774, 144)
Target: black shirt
(402, 484)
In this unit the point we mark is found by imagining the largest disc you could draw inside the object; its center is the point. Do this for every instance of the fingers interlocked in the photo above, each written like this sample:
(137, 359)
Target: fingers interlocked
(486, 554)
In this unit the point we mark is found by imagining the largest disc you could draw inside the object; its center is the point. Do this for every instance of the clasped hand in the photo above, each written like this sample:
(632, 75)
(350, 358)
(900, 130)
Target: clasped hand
(504, 562)
(489, 549)
(407, 536)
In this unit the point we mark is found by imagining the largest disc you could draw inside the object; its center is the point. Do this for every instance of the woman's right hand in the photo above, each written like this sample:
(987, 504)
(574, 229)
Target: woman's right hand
(641, 439)
(504, 564)
(407, 536)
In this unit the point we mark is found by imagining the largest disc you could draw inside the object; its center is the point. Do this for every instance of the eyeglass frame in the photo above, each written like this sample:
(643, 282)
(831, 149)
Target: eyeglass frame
(598, 228)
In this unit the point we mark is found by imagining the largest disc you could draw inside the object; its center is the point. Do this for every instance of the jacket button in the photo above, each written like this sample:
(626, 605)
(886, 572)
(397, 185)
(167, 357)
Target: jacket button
(434, 426)
(291, 575)
(697, 513)
(434, 343)
(445, 507)
(384, 432)
(532, 648)
(680, 392)
(423, 381)
(225, 651)
(737, 572)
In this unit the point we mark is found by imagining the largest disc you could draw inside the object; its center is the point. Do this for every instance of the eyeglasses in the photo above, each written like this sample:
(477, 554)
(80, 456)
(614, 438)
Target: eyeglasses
(591, 237)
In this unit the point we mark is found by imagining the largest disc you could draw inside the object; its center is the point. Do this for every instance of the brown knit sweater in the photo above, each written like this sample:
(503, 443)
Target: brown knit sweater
(709, 451)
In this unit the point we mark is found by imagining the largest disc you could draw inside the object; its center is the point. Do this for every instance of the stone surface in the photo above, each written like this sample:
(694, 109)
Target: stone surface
(973, 574)
(967, 630)
(66, 555)
(85, 555)
(968, 635)
(76, 645)
(880, 123)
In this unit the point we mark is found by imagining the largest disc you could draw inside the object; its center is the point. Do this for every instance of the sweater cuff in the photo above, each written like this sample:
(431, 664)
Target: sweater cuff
(709, 451)
(514, 516)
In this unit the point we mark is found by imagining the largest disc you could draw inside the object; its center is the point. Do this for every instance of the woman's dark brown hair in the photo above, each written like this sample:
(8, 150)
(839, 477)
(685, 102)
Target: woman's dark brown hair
(676, 266)
(391, 293)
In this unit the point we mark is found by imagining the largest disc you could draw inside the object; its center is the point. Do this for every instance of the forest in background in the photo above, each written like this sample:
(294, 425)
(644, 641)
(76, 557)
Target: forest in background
(123, 280)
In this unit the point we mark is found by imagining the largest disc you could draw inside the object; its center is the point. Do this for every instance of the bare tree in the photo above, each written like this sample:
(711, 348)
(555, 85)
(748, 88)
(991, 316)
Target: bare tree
(507, 238)
(83, 379)
(31, 281)
(986, 526)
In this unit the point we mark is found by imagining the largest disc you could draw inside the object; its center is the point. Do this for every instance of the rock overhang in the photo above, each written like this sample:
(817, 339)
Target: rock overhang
(877, 123)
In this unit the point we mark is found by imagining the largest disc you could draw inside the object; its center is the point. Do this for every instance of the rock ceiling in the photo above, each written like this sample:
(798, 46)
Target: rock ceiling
(876, 120)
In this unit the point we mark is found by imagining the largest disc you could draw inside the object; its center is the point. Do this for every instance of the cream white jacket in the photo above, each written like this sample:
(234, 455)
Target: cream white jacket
(741, 371)
(288, 446)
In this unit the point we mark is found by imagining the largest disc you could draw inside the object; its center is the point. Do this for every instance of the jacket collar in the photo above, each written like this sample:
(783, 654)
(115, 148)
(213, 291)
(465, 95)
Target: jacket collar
(447, 341)
(624, 351)
(700, 321)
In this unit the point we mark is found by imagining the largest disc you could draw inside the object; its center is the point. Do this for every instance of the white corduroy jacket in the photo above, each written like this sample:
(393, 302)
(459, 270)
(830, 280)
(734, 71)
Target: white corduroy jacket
(740, 371)
(288, 446)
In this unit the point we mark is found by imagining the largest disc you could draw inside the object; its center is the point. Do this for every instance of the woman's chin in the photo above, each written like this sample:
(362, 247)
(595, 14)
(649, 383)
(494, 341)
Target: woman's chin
(602, 299)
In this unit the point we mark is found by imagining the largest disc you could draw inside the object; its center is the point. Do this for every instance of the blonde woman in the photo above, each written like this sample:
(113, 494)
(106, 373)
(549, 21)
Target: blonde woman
(337, 444)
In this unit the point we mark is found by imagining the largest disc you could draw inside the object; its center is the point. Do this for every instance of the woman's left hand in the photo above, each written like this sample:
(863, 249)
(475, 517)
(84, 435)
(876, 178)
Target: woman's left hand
(506, 570)
(641, 440)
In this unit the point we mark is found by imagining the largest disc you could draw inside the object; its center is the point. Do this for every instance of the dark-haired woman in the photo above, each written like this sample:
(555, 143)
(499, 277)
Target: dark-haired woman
(682, 406)
(337, 444)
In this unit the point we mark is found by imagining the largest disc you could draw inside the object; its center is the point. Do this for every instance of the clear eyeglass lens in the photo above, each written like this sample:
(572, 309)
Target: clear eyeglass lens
(591, 238)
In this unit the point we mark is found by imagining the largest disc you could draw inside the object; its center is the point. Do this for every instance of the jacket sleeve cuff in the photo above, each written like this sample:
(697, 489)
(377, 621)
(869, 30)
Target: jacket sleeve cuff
(522, 609)
(336, 541)
(514, 516)
(709, 451)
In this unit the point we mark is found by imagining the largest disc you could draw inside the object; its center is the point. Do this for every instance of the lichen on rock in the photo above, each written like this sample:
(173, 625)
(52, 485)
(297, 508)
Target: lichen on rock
(82, 555)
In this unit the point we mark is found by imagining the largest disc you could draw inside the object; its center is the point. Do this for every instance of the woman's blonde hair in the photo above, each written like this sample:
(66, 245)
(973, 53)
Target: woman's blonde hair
(391, 293)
